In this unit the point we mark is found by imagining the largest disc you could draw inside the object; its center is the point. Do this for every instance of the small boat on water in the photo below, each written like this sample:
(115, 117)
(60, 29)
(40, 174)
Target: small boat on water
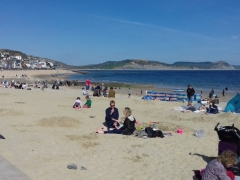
(178, 90)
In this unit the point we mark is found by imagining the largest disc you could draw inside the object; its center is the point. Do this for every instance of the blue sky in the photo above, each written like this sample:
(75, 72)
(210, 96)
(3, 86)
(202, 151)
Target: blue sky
(89, 32)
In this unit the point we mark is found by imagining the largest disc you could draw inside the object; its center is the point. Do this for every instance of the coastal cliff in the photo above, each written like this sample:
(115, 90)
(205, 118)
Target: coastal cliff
(7, 56)
(132, 64)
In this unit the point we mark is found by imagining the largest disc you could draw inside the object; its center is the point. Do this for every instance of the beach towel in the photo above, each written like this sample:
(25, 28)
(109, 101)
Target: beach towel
(167, 134)
(198, 111)
(177, 109)
(1, 137)
(140, 133)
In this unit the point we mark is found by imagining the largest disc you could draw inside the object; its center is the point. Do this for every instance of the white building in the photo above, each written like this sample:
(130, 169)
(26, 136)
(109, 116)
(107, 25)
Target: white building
(49, 64)
(42, 64)
(17, 57)
(17, 64)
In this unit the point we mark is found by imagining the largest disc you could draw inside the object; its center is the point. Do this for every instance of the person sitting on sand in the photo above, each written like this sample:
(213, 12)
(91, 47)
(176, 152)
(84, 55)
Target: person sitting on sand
(213, 109)
(111, 115)
(77, 103)
(128, 126)
(88, 103)
(111, 93)
(84, 92)
(216, 169)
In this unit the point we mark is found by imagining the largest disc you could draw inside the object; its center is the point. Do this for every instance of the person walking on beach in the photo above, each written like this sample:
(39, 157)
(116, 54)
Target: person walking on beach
(223, 92)
(211, 93)
(190, 93)
(141, 91)
(129, 93)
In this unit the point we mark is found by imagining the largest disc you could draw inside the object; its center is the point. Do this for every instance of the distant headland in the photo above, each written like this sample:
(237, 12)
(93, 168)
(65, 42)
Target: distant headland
(11, 59)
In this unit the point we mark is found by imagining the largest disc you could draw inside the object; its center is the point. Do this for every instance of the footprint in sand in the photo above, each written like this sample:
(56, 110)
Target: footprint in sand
(4, 94)
(64, 122)
(64, 106)
(20, 102)
(10, 112)
(87, 145)
(136, 158)
(88, 137)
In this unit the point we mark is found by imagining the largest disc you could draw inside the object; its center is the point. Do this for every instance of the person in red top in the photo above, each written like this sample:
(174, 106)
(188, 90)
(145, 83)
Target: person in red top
(88, 84)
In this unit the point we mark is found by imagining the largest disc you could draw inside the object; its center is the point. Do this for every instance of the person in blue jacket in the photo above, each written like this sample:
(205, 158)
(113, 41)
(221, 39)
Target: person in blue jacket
(111, 115)
(213, 109)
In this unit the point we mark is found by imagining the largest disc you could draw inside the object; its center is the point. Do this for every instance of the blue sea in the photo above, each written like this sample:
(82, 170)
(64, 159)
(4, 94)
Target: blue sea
(199, 79)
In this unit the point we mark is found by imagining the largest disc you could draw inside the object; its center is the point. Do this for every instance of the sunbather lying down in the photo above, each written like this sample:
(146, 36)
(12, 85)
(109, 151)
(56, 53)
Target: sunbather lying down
(195, 107)
(190, 108)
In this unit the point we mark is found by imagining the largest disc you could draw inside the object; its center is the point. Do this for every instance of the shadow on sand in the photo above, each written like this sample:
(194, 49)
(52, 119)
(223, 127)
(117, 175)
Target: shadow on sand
(206, 159)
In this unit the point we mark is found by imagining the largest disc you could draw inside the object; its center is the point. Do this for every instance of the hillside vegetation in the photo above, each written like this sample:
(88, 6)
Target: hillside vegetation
(155, 65)
(26, 57)
(131, 64)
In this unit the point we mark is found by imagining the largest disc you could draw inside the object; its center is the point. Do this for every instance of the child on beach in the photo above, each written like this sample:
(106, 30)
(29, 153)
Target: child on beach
(217, 168)
(77, 103)
(88, 103)
(129, 93)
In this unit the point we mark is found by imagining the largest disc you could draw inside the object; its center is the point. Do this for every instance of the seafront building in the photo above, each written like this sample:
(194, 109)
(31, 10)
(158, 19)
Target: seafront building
(16, 61)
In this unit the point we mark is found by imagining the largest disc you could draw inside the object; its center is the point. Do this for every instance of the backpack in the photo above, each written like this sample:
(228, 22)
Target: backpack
(153, 134)
(149, 132)
(158, 133)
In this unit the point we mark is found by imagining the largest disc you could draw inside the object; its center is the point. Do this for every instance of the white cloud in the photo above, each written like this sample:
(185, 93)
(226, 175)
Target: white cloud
(157, 27)
(234, 37)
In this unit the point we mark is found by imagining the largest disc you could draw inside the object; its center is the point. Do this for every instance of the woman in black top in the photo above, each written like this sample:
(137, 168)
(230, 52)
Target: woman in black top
(127, 128)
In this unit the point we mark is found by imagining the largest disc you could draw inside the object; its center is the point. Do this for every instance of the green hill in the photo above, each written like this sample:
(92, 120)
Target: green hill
(155, 65)
(120, 64)
(136, 64)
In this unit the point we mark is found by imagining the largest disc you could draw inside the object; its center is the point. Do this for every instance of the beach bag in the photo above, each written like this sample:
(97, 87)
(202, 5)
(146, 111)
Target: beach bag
(153, 134)
(157, 133)
(149, 132)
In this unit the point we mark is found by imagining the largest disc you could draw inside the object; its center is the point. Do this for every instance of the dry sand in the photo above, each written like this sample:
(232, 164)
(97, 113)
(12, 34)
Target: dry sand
(44, 134)
(33, 74)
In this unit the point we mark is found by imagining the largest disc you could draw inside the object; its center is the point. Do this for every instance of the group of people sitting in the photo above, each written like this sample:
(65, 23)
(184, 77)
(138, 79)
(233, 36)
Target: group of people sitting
(210, 107)
(114, 125)
(99, 90)
(16, 85)
(78, 103)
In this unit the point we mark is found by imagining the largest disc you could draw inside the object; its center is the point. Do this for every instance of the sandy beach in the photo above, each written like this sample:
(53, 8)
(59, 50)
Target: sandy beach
(44, 134)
